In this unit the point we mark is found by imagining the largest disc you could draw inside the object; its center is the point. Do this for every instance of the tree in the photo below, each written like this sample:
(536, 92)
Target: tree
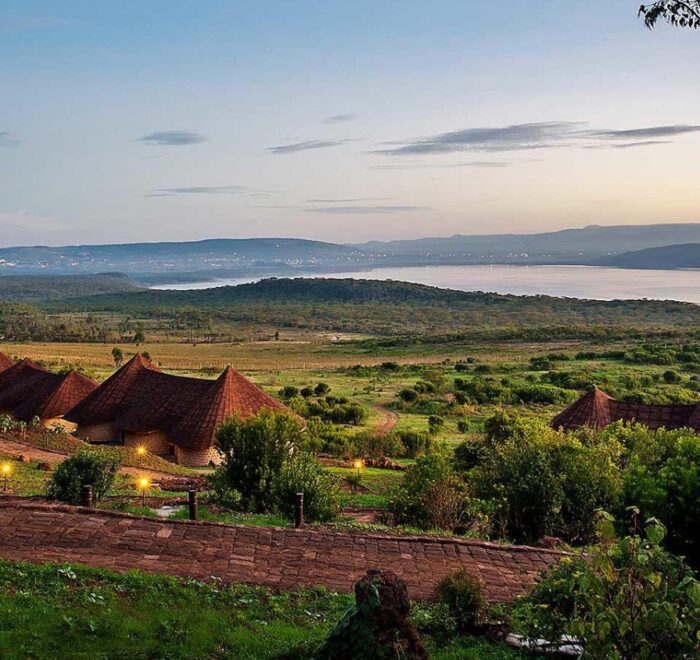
(85, 468)
(117, 356)
(254, 451)
(680, 13)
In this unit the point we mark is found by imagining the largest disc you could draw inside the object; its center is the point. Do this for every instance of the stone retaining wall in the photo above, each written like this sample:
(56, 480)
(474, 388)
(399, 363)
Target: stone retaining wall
(279, 558)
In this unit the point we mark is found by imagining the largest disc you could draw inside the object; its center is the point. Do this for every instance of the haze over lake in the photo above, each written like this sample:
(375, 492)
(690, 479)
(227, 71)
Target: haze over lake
(568, 281)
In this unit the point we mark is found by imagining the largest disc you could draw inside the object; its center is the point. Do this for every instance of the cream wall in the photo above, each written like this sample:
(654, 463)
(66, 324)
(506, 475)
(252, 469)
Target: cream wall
(106, 432)
(155, 443)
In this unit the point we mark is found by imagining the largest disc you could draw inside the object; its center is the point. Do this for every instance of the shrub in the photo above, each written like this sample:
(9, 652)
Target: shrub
(631, 599)
(435, 423)
(464, 598)
(289, 391)
(671, 376)
(547, 394)
(306, 392)
(415, 443)
(430, 481)
(377, 445)
(408, 395)
(254, 450)
(303, 474)
(321, 389)
(463, 426)
(85, 468)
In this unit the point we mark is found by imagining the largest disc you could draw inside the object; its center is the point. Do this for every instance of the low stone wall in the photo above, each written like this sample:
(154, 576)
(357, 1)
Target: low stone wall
(197, 458)
(280, 558)
(67, 426)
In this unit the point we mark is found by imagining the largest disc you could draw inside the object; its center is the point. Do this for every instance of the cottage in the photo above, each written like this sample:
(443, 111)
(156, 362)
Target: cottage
(27, 392)
(139, 405)
(596, 410)
(5, 362)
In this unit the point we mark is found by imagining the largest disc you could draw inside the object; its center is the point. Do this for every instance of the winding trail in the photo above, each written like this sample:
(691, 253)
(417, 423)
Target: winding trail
(390, 418)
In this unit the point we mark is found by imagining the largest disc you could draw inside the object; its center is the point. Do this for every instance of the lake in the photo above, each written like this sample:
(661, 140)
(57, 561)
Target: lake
(569, 281)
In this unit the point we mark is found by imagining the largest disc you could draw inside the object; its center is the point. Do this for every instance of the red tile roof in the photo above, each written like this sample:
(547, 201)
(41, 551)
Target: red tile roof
(5, 362)
(596, 409)
(28, 391)
(140, 398)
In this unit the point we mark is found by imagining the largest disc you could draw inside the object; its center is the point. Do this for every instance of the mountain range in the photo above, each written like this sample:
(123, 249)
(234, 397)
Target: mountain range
(260, 257)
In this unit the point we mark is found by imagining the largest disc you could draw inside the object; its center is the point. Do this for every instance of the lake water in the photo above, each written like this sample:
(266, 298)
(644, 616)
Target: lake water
(569, 281)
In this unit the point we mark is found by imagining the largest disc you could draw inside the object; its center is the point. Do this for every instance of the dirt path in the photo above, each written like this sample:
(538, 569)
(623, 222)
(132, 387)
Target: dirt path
(280, 558)
(389, 421)
(17, 448)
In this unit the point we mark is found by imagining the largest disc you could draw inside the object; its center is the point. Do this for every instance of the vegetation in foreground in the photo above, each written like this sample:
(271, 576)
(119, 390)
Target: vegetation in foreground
(70, 611)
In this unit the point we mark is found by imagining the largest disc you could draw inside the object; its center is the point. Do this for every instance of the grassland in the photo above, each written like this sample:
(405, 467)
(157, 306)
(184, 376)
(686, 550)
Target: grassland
(63, 611)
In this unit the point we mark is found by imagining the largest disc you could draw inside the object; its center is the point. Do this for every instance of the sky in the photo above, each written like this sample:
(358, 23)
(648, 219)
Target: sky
(343, 121)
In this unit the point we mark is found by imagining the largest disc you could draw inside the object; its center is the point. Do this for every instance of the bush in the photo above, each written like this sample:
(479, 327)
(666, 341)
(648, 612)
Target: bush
(303, 474)
(408, 395)
(631, 599)
(671, 376)
(377, 445)
(85, 468)
(254, 450)
(321, 389)
(463, 596)
(415, 443)
(431, 495)
(435, 423)
(289, 391)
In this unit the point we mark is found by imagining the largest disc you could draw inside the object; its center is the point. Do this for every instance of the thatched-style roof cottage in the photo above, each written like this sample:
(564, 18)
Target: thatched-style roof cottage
(27, 391)
(596, 410)
(139, 405)
(5, 362)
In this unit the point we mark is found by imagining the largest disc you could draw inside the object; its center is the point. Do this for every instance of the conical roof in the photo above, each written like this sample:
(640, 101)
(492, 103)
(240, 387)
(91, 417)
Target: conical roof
(11, 374)
(592, 410)
(231, 394)
(48, 395)
(115, 395)
(5, 362)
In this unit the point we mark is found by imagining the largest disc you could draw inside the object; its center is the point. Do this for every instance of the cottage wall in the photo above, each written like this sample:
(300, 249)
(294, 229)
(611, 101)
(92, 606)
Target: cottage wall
(106, 432)
(197, 457)
(155, 443)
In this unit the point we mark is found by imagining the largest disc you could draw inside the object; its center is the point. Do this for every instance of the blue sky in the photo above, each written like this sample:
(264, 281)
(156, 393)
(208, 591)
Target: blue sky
(341, 121)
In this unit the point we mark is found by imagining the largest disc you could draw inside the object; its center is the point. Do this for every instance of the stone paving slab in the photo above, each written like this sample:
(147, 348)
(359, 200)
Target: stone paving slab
(279, 558)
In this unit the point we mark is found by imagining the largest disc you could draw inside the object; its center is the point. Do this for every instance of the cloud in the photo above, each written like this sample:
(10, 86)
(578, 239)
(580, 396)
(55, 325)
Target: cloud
(24, 23)
(628, 145)
(209, 190)
(305, 146)
(646, 133)
(486, 164)
(172, 138)
(339, 119)
(516, 137)
(365, 210)
(525, 137)
(7, 140)
(346, 200)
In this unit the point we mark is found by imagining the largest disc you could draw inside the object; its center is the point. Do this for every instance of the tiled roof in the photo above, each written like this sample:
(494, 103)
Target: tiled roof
(139, 398)
(28, 391)
(5, 362)
(596, 409)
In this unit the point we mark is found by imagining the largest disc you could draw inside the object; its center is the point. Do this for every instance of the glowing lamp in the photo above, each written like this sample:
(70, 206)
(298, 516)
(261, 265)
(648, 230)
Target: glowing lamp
(140, 450)
(144, 483)
(6, 469)
(359, 464)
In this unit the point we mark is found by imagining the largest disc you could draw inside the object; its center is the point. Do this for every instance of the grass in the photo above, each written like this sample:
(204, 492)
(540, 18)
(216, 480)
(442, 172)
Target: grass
(63, 611)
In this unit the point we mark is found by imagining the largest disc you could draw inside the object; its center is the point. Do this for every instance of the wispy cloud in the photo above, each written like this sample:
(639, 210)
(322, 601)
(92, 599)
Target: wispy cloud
(209, 190)
(25, 23)
(345, 200)
(172, 138)
(339, 119)
(365, 210)
(486, 164)
(7, 139)
(540, 135)
(305, 146)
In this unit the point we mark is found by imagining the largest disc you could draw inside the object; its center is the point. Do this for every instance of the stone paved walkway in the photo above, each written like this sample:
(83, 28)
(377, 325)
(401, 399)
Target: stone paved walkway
(279, 558)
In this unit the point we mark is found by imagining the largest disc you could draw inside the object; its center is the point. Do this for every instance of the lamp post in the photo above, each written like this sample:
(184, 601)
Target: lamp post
(6, 469)
(140, 452)
(144, 483)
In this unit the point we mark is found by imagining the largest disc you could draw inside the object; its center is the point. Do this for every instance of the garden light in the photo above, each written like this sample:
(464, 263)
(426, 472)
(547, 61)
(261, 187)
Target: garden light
(144, 484)
(6, 469)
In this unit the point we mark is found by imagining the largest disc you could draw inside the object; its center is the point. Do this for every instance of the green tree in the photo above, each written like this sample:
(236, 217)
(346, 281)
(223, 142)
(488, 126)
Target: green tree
(117, 356)
(254, 451)
(85, 468)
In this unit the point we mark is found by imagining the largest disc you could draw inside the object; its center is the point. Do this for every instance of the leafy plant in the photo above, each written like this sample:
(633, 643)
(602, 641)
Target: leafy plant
(464, 598)
(85, 468)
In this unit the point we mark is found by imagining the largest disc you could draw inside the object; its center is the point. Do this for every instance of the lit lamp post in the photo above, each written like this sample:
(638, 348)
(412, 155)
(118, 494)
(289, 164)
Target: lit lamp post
(141, 452)
(144, 483)
(358, 465)
(6, 469)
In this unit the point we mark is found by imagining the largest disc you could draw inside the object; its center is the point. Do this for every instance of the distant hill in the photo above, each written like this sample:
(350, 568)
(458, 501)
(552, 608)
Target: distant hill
(386, 307)
(250, 255)
(575, 245)
(286, 257)
(40, 288)
(670, 256)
